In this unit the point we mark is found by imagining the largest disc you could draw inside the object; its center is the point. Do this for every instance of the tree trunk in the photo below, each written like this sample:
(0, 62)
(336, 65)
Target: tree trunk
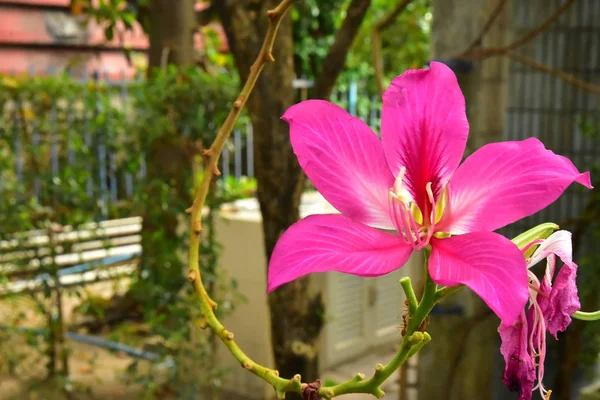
(296, 315)
(279, 177)
(459, 361)
(172, 25)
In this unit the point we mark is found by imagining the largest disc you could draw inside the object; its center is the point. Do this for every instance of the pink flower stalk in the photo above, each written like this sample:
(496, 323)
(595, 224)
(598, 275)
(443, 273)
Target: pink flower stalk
(410, 182)
(551, 305)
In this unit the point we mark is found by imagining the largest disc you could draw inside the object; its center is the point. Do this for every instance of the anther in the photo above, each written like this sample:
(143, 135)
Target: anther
(398, 181)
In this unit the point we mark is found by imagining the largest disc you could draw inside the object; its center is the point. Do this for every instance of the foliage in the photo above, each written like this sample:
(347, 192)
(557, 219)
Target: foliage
(405, 44)
(75, 152)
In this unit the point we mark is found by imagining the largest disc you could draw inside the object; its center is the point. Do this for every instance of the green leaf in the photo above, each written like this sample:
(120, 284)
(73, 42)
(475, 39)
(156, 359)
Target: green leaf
(541, 231)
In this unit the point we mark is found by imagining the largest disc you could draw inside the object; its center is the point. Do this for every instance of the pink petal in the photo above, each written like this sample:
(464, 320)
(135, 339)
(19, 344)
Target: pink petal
(519, 369)
(490, 264)
(424, 128)
(563, 300)
(321, 243)
(344, 160)
(504, 182)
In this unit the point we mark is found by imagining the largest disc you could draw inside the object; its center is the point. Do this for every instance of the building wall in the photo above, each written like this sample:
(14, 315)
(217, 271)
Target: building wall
(362, 314)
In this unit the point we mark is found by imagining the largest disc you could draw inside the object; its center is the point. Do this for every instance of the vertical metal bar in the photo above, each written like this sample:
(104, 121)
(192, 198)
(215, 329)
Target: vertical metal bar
(70, 130)
(352, 98)
(113, 176)
(101, 153)
(17, 123)
(128, 185)
(35, 142)
(373, 113)
(250, 149)
(237, 141)
(54, 142)
(225, 160)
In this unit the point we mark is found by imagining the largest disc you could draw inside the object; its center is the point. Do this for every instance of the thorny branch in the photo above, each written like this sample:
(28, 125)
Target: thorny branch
(207, 305)
(384, 23)
(412, 342)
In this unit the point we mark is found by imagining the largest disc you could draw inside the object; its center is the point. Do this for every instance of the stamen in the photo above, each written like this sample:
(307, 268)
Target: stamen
(429, 192)
(538, 290)
(534, 243)
(398, 183)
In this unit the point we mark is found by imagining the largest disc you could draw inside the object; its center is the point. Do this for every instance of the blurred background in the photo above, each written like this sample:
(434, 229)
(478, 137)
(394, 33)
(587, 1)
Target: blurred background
(105, 109)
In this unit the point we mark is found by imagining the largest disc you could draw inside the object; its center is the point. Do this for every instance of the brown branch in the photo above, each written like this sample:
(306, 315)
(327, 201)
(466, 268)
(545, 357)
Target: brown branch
(486, 27)
(380, 26)
(565, 77)
(336, 57)
(481, 54)
(206, 304)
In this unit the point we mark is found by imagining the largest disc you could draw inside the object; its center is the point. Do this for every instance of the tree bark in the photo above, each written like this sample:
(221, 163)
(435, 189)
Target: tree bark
(280, 180)
(295, 314)
(172, 25)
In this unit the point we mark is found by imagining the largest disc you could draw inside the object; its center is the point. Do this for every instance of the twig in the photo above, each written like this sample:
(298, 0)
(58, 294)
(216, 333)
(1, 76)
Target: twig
(380, 26)
(486, 27)
(565, 77)
(481, 54)
(206, 304)
(414, 340)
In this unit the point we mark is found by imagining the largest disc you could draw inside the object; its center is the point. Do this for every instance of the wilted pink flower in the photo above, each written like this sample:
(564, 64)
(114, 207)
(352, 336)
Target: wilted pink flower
(409, 182)
(551, 305)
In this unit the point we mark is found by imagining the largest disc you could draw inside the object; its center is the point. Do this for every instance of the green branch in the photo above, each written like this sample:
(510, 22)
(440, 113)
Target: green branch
(587, 316)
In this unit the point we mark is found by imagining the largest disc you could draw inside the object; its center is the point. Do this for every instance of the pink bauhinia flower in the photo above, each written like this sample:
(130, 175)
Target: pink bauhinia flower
(409, 182)
(551, 305)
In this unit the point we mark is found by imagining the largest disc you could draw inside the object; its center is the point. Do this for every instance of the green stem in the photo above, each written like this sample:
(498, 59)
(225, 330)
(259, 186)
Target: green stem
(587, 316)
(447, 291)
(410, 294)
(412, 342)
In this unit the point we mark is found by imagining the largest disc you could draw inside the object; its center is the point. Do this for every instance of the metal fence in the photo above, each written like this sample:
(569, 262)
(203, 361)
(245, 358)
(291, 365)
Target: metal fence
(543, 106)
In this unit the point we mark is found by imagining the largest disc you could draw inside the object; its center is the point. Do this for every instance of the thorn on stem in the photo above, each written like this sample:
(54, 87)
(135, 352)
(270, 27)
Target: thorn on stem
(269, 58)
(238, 103)
(189, 210)
(198, 227)
(216, 170)
(208, 152)
(203, 323)
(192, 275)
(359, 377)
(272, 14)
(247, 365)
(210, 301)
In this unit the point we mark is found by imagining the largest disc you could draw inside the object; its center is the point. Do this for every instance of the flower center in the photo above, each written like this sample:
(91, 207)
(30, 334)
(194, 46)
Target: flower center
(407, 216)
